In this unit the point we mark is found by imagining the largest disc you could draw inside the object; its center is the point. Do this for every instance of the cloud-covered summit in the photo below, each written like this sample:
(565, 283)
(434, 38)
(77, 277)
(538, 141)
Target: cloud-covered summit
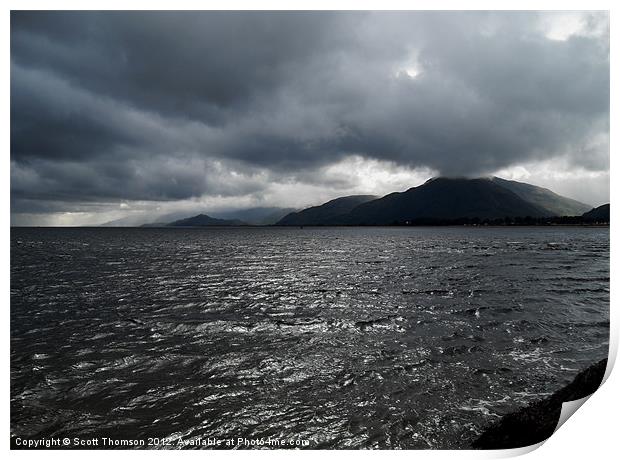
(151, 108)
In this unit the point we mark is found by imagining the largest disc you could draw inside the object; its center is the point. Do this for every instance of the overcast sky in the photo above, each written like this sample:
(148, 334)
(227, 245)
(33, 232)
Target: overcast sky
(133, 114)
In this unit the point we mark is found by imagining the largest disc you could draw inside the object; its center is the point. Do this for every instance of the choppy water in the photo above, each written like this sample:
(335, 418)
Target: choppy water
(345, 337)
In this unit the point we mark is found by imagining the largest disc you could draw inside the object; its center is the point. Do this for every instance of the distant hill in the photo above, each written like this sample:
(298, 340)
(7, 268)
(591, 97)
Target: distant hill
(154, 225)
(328, 213)
(600, 214)
(252, 216)
(256, 216)
(129, 221)
(557, 205)
(122, 222)
(145, 219)
(202, 220)
(445, 199)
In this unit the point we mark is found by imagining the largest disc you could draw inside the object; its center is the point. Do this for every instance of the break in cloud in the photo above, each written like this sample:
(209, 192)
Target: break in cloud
(116, 114)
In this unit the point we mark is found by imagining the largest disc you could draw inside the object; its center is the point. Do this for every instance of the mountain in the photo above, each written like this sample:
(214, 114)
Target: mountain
(130, 221)
(557, 205)
(600, 214)
(202, 220)
(439, 200)
(252, 216)
(445, 199)
(145, 219)
(256, 216)
(328, 213)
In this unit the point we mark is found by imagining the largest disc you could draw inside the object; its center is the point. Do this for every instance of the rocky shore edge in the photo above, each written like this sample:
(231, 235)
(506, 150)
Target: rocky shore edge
(537, 421)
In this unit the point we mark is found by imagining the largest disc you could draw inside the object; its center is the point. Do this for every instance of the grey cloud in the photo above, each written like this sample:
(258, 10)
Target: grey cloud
(169, 106)
(190, 63)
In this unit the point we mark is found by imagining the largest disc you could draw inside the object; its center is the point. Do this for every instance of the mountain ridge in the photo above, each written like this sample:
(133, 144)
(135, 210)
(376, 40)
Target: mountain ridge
(448, 199)
(326, 213)
(439, 200)
(598, 214)
(203, 220)
(545, 198)
(445, 198)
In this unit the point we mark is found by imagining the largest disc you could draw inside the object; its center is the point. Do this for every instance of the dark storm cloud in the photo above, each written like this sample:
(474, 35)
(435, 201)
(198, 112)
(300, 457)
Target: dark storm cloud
(167, 106)
(188, 64)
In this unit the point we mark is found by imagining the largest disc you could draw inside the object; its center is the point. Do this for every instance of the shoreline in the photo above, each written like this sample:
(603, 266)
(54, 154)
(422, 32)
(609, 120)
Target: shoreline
(537, 421)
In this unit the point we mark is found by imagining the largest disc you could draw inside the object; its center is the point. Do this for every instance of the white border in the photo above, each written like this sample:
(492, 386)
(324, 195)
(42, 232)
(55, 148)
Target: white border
(592, 432)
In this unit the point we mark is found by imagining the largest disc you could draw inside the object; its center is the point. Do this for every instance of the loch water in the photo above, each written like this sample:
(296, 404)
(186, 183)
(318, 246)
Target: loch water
(371, 337)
